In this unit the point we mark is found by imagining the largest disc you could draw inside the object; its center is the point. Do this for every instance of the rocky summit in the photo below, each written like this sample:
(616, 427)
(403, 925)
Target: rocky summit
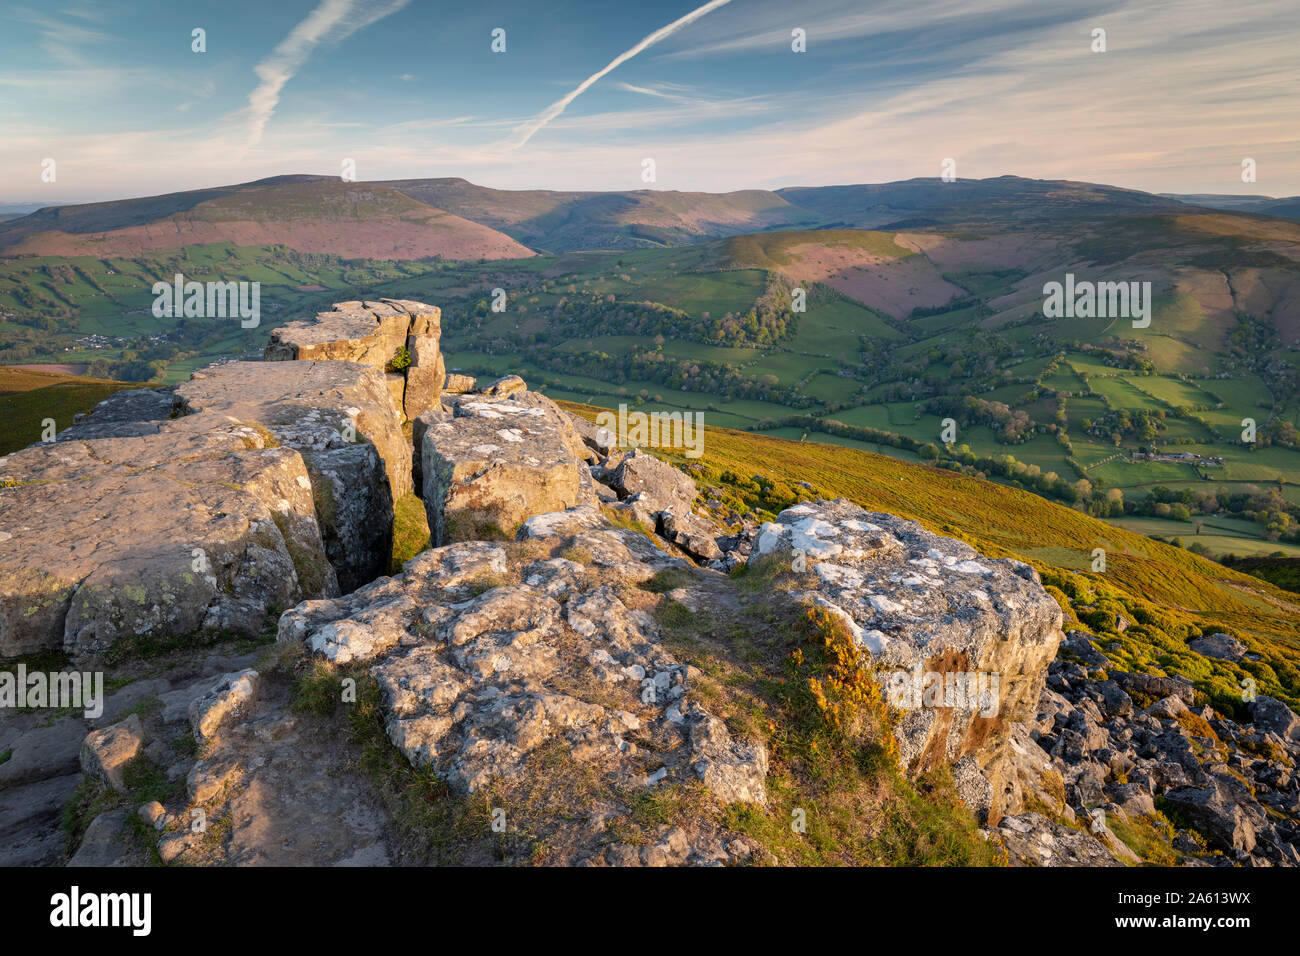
(588, 663)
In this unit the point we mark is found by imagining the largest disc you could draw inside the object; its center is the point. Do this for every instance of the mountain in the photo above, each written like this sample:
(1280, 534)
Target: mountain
(564, 221)
(306, 213)
(1265, 205)
(927, 201)
(415, 218)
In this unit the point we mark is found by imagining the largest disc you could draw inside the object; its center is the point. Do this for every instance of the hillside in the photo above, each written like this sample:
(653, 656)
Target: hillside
(414, 217)
(1267, 205)
(926, 201)
(1170, 590)
(564, 221)
(28, 398)
(308, 214)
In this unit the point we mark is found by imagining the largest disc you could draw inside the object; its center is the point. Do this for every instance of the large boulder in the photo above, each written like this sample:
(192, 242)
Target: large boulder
(497, 462)
(1031, 839)
(1275, 717)
(201, 523)
(489, 653)
(374, 334)
(693, 534)
(960, 642)
(1220, 818)
(1220, 646)
(338, 417)
(658, 485)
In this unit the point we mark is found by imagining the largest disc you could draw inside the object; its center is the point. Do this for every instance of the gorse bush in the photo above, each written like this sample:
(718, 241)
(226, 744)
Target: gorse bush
(831, 682)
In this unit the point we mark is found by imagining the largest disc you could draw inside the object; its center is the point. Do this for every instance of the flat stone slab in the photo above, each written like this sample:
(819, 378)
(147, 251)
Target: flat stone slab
(200, 525)
(374, 334)
(366, 332)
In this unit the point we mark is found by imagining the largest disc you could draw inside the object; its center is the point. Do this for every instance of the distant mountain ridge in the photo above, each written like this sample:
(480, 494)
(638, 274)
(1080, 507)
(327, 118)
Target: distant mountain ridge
(457, 219)
(1288, 206)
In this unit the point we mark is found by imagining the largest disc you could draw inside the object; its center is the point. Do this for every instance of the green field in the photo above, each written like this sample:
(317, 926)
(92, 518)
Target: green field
(701, 327)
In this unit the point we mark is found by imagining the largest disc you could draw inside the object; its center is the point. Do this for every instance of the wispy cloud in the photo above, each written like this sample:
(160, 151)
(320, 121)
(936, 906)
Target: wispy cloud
(527, 130)
(331, 22)
(61, 39)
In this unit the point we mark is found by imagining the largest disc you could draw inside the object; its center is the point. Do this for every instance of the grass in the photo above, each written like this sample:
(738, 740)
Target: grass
(1149, 838)
(774, 250)
(410, 530)
(835, 795)
(148, 646)
(144, 781)
(28, 399)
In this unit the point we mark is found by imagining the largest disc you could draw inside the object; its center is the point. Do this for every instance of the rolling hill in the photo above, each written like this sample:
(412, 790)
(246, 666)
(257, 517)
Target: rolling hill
(564, 221)
(457, 219)
(29, 397)
(1266, 205)
(923, 303)
(305, 213)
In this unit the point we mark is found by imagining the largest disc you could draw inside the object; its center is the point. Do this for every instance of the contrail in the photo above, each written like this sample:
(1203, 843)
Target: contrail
(331, 21)
(525, 132)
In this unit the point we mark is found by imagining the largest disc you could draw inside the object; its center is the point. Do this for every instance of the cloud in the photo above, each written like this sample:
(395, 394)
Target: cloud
(527, 130)
(61, 39)
(331, 22)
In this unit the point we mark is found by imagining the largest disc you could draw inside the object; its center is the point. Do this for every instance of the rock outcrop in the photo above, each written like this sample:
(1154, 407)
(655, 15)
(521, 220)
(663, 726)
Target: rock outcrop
(397, 337)
(203, 524)
(337, 417)
(960, 642)
(1104, 745)
(503, 456)
(487, 652)
(249, 488)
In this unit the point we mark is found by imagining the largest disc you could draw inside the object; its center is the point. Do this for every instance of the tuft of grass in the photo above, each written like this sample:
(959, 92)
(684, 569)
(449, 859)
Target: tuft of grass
(410, 531)
(666, 580)
(144, 781)
(317, 691)
(1149, 837)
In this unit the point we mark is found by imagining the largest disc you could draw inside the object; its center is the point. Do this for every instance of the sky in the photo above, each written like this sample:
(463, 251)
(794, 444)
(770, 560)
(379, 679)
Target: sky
(585, 91)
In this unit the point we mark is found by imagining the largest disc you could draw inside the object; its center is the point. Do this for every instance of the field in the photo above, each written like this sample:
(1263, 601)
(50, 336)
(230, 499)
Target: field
(898, 334)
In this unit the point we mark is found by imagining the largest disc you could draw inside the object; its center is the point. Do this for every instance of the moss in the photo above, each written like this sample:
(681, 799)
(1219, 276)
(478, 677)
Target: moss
(477, 525)
(486, 582)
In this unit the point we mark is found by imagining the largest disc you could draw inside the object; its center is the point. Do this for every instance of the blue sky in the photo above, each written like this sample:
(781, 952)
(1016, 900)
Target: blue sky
(886, 90)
